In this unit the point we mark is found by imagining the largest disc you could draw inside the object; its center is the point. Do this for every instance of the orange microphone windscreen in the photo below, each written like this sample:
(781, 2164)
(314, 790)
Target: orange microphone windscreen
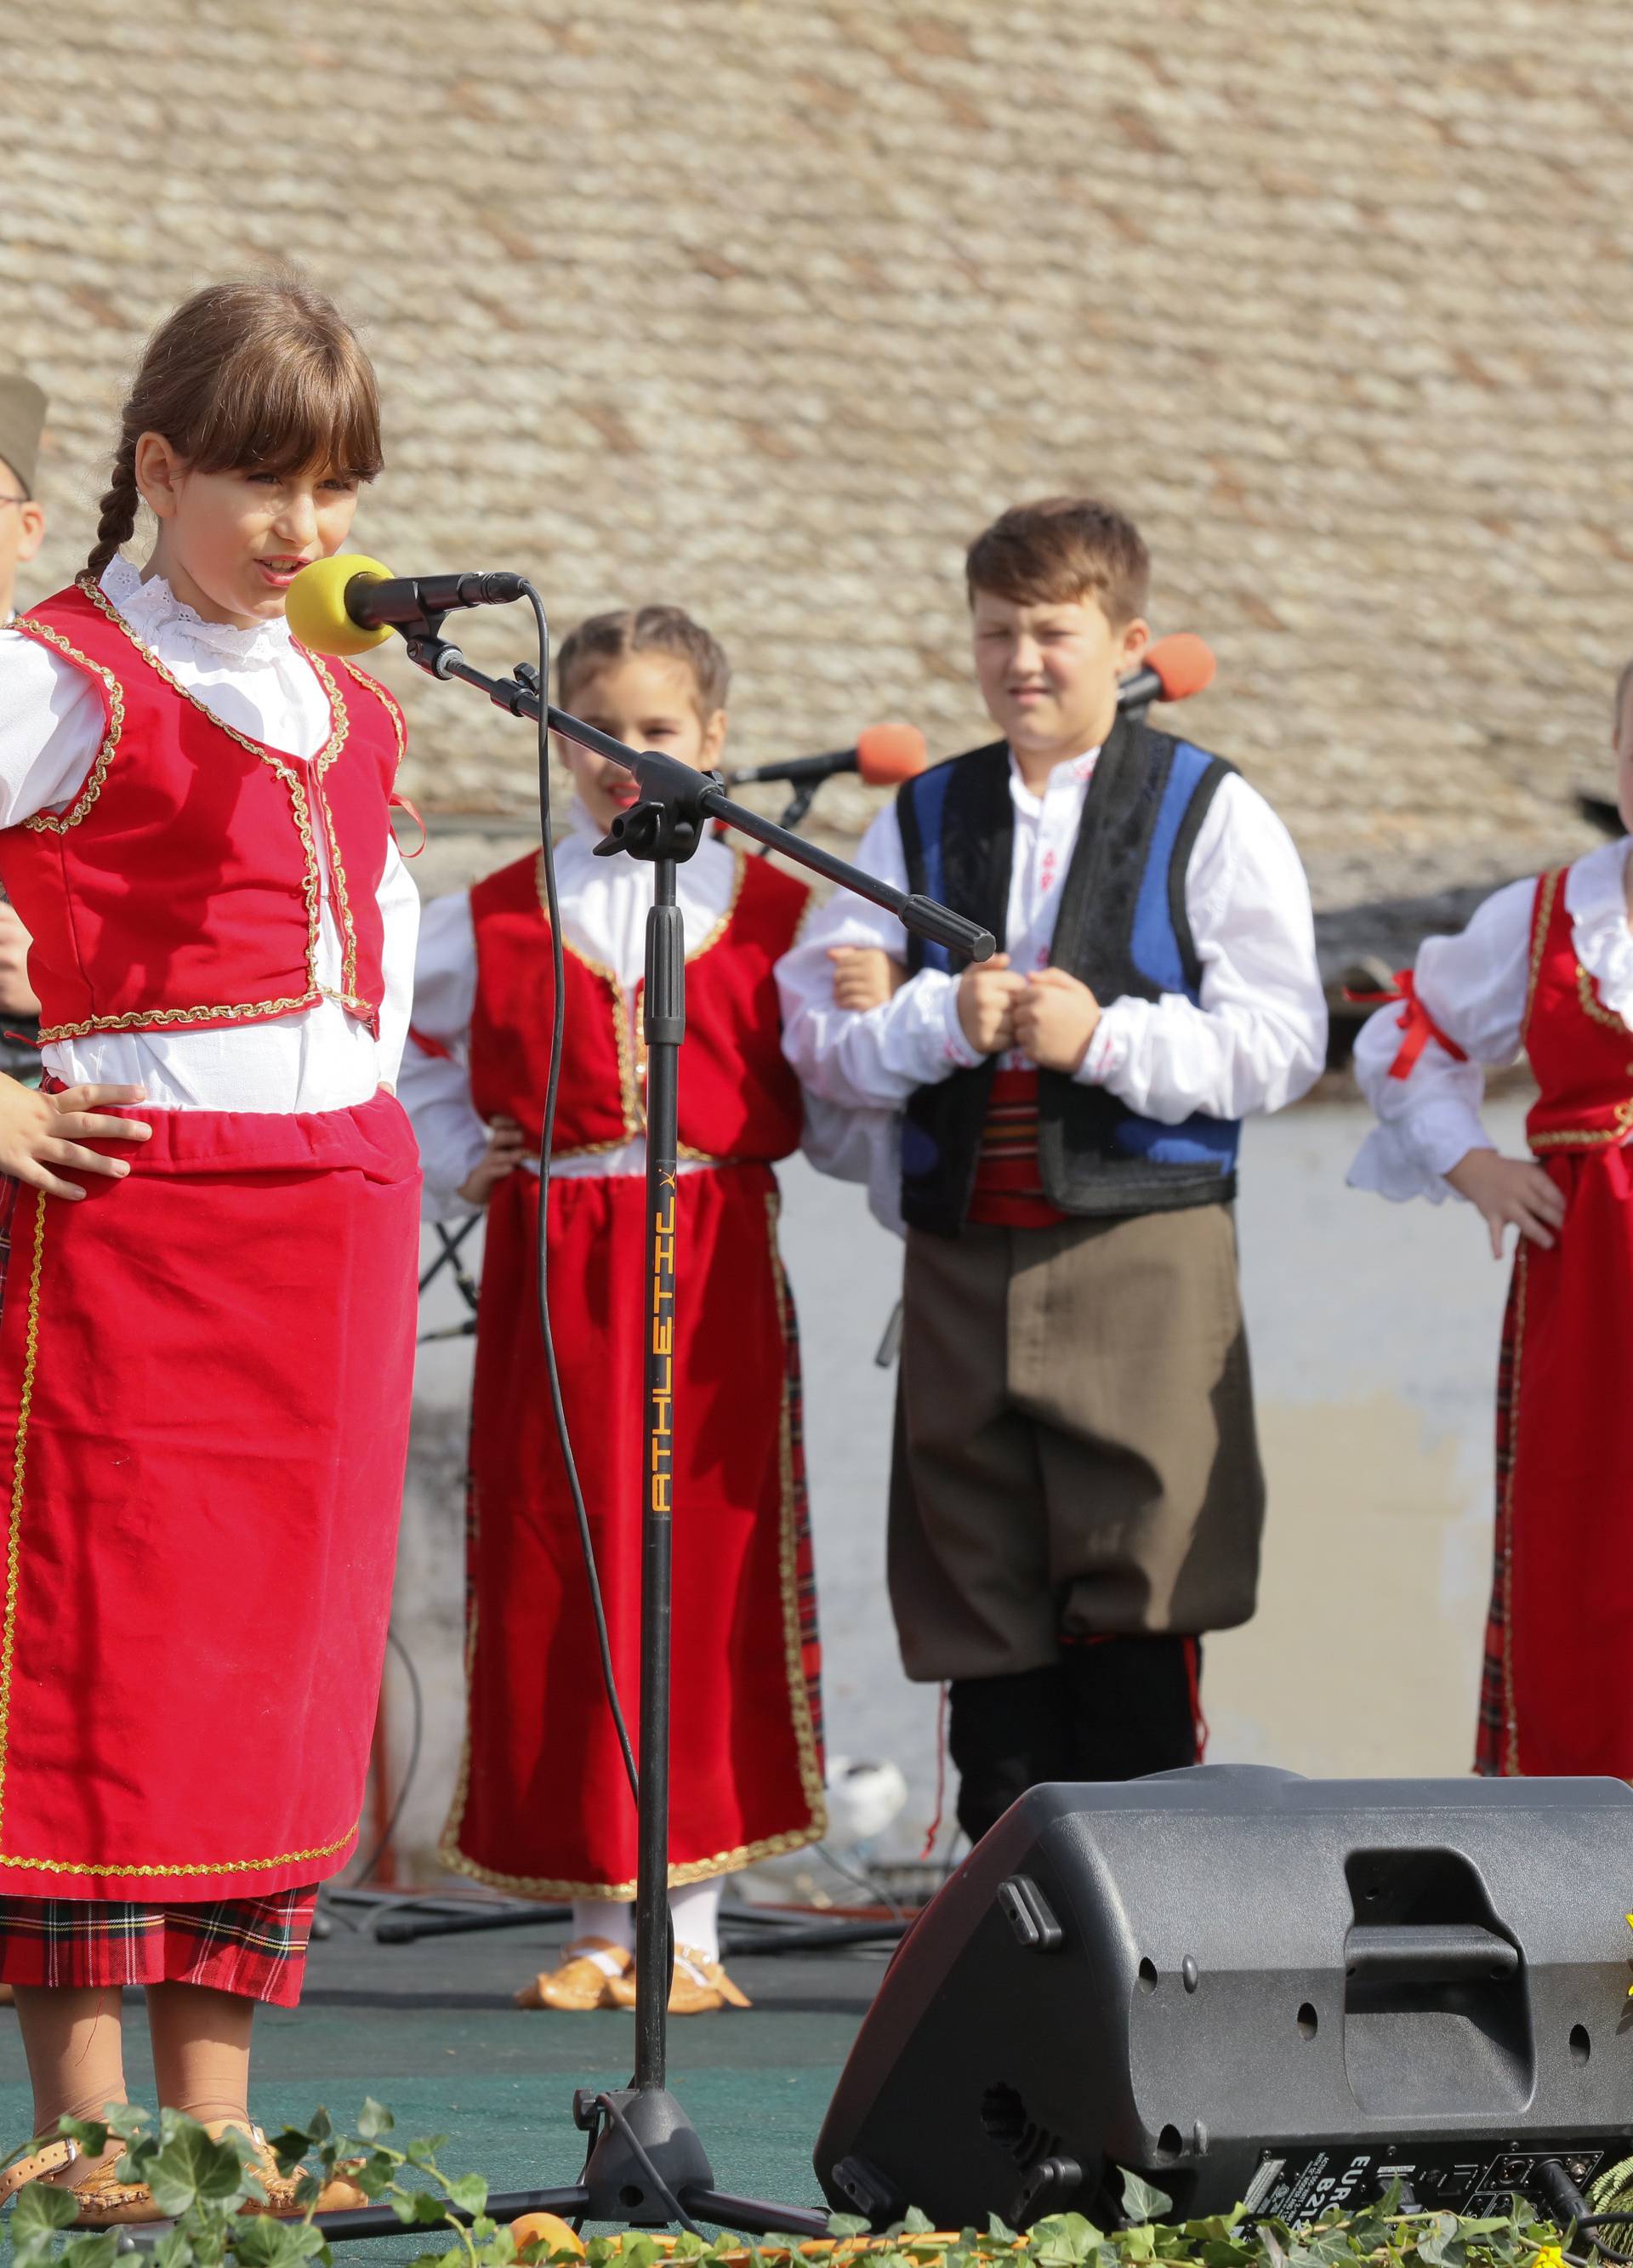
(886, 755)
(1185, 664)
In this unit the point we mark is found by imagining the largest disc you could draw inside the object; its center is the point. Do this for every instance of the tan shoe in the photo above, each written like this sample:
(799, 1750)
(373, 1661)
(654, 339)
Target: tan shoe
(105, 2202)
(579, 1983)
(337, 2195)
(699, 1987)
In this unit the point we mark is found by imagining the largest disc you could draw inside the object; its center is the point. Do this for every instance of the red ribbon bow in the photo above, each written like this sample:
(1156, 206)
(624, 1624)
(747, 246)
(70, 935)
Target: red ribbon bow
(1415, 1021)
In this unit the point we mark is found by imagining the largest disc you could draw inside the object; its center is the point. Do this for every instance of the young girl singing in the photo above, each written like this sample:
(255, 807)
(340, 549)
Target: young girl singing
(543, 1806)
(1544, 968)
(207, 1331)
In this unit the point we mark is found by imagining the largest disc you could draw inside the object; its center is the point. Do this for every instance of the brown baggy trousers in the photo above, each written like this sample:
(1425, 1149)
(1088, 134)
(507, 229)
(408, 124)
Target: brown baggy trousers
(1075, 1449)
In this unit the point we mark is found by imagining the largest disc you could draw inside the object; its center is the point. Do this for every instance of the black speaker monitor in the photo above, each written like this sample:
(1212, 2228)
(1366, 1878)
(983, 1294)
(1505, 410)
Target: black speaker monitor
(1252, 1988)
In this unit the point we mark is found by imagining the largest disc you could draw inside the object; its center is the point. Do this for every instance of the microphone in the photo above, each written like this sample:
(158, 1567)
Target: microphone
(346, 604)
(884, 754)
(1175, 667)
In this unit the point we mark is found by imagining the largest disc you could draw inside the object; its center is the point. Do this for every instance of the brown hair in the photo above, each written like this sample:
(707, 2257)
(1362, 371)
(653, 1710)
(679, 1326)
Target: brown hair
(645, 629)
(1623, 681)
(1061, 550)
(266, 373)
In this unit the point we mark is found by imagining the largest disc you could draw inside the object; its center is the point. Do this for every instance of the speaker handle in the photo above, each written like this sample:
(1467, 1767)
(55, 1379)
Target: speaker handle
(1427, 1953)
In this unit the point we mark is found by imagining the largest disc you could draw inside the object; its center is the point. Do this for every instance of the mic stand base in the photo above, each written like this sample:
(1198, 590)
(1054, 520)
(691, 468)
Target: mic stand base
(647, 2161)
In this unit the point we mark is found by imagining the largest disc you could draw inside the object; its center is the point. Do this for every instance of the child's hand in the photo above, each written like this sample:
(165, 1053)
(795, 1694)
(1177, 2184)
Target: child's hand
(1054, 1018)
(1509, 1190)
(507, 1147)
(987, 991)
(864, 976)
(17, 994)
(38, 1131)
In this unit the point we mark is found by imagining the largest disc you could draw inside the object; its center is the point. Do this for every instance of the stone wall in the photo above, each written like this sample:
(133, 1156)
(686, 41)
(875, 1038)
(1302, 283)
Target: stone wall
(766, 307)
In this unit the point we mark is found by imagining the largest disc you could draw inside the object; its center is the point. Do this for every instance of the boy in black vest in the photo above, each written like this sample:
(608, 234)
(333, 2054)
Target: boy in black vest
(1076, 1493)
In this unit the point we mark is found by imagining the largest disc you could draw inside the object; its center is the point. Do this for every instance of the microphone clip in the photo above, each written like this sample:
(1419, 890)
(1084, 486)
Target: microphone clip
(671, 818)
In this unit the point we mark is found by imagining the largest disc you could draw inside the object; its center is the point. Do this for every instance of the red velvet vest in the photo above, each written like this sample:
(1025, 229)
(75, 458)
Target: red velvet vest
(1581, 1052)
(182, 886)
(739, 1099)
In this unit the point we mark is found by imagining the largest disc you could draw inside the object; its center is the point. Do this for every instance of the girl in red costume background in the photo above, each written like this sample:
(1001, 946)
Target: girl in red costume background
(543, 1806)
(1545, 969)
(206, 1339)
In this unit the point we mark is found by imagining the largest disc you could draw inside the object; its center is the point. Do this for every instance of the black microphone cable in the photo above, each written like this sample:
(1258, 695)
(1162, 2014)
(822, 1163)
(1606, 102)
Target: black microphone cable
(587, 1543)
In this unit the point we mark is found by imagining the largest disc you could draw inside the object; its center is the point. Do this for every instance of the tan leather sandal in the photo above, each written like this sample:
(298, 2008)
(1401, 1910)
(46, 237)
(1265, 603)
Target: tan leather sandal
(337, 2195)
(105, 2201)
(698, 1987)
(591, 1975)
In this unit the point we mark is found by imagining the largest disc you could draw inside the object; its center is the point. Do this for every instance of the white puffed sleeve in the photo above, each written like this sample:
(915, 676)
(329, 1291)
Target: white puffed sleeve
(1256, 1039)
(435, 1083)
(52, 723)
(399, 903)
(1472, 987)
(875, 1060)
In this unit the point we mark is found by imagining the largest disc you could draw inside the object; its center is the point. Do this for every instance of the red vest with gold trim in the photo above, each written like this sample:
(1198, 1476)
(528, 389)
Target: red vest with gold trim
(181, 884)
(739, 1099)
(1580, 1051)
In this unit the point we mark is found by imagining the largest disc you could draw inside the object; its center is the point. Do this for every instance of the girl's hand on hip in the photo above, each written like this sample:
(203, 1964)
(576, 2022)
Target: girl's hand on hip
(1510, 1192)
(39, 1131)
(507, 1147)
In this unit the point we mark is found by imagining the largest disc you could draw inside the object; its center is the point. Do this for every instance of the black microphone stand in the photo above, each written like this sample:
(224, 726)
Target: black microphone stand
(647, 2165)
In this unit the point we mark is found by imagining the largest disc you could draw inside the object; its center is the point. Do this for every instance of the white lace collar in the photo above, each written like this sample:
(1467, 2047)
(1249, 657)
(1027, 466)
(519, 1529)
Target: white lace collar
(155, 613)
(1596, 898)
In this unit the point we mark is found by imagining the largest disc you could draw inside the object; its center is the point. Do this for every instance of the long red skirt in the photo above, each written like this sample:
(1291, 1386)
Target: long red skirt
(543, 1804)
(1557, 1698)
(205, 1373)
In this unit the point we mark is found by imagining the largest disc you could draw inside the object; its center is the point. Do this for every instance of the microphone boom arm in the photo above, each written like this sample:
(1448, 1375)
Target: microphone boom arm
(675, 800)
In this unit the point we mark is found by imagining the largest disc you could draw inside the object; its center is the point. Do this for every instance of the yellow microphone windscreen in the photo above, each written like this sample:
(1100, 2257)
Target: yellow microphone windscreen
(316, 606)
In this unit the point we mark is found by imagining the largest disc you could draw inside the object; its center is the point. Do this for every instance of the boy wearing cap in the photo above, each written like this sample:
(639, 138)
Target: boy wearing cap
(22, 532)
(22, 519)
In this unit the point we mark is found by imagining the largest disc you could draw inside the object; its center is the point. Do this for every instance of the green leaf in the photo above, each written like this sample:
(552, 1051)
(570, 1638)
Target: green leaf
(98, 2251)
(41, 2210)
(428, 2210)
(1141, 2202)
(264, 2243)
(848, 2224)
(470, 2193)
(917, 2223)
(423, 2152)
(91, 2134)
(1000, 2231)
(174, 2250)
(189, 2168)
(374, 2120)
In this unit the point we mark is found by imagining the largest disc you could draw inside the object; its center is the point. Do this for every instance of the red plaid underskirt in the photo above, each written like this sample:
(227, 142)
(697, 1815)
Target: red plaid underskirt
(253, 1947)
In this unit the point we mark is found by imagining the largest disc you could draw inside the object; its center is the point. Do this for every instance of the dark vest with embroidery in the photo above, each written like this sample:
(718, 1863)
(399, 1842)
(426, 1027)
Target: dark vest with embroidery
(1121, 929)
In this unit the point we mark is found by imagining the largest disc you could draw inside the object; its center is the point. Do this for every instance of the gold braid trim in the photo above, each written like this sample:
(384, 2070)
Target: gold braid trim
(1593, 1007)
(19, 1455)
(746, 1854)
(46, 822)
(1511, 1714)
(25, 1406)
(1540, 919)
(243, 1011)
(630, 1098)
(204, 1866)
(1572, 1137)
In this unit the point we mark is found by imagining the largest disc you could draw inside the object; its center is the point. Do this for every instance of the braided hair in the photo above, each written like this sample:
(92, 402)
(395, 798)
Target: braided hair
(265, 373)
(117, 522)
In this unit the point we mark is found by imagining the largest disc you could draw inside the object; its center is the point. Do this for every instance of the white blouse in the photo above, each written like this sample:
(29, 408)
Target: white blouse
(1256, 1040)
(605, 904)
(1475, 987)
(258, 682)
